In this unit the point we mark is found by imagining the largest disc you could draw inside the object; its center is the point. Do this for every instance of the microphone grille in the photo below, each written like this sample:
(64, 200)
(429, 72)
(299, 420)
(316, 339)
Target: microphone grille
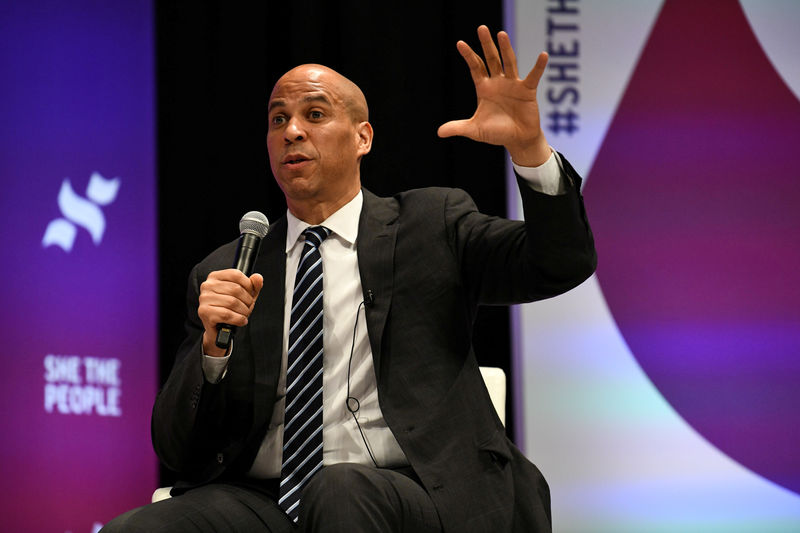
(254, 222)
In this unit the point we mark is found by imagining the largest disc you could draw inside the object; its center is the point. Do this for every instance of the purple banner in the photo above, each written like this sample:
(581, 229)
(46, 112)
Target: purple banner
(77, 162)
(695, 191)
(662, 394)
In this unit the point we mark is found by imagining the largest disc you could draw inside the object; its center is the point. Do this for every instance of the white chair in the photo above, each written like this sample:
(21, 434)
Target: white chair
(494, 378)
(161, 493)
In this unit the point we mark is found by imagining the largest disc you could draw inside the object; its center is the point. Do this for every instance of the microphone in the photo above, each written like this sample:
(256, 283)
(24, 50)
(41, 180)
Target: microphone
(253, 227)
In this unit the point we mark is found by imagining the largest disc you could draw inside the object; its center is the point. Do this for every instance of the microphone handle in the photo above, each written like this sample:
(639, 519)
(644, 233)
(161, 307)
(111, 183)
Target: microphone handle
(246, 255)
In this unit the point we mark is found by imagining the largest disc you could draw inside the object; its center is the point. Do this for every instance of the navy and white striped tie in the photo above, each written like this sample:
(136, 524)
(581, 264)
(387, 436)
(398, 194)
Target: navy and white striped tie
(302, 434)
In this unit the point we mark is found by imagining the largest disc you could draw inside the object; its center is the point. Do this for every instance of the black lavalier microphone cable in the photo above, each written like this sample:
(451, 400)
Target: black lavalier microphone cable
(352, 403)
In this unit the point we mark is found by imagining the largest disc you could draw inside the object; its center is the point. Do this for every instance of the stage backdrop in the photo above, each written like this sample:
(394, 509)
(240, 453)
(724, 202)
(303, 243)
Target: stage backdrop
(662, 394)
(77, 226)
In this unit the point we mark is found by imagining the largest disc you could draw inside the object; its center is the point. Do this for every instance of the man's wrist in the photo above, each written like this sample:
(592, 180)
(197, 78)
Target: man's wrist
(533, 154)
(546, 178)
(215, 367)
(210, 347)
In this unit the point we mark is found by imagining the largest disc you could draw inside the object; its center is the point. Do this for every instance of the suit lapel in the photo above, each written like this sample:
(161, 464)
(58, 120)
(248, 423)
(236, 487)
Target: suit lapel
(266, 322)
(377, 233)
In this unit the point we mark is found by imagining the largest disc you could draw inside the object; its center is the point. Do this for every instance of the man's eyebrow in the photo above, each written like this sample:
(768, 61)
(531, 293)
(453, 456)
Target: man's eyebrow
(276, 103)
(317, 98)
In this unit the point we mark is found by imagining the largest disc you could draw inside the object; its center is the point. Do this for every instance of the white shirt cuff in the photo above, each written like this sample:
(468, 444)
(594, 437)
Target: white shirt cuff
(546, 178)
(215, 368)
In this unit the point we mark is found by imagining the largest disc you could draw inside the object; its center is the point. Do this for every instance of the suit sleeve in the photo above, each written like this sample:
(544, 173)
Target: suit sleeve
(188, 412)
(507, 262)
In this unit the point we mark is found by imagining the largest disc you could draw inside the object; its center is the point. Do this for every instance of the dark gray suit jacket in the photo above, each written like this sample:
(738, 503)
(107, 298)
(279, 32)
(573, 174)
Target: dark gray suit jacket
(429, 258)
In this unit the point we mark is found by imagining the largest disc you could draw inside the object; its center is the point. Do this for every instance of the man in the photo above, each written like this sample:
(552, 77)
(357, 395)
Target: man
(350, 399)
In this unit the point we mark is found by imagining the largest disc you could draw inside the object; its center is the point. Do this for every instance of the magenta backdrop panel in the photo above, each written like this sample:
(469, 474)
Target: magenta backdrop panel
(694, 197)
(77, 227)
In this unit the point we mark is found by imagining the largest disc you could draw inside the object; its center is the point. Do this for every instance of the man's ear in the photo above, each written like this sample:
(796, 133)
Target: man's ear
(364, 138)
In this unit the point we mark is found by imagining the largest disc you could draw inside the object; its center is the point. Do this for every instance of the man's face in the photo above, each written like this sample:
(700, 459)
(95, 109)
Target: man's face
(314, 143)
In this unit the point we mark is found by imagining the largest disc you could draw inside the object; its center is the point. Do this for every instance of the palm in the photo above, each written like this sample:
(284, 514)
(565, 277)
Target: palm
(506, 111)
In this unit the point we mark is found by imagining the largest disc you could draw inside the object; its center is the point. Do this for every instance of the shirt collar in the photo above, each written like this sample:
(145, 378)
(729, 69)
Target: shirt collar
(343, 222)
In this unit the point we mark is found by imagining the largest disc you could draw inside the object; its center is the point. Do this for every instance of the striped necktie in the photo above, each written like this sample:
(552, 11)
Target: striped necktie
(302, 434)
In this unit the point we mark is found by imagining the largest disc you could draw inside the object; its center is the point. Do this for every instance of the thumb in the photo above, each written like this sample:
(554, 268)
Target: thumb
(258, 282)
(456, 127)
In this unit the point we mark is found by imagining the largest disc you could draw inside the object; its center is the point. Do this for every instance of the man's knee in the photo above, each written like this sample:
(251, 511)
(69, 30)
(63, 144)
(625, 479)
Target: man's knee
(339, 483)
(340, 496)
(354, 498)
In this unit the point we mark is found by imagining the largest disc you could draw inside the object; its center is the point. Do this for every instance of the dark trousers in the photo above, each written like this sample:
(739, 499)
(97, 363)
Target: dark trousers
(339, 498)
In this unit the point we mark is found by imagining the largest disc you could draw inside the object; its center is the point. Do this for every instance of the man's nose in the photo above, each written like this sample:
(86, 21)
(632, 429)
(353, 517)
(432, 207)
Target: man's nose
(294, 131)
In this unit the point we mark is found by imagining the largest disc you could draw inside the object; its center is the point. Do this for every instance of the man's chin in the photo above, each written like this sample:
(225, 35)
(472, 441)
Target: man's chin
(298, 187)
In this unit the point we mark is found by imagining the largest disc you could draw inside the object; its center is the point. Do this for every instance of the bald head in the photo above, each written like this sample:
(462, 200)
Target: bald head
(340, 88)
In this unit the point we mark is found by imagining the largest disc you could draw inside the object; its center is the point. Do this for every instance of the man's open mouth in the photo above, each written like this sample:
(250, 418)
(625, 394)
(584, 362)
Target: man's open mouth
(294, 159)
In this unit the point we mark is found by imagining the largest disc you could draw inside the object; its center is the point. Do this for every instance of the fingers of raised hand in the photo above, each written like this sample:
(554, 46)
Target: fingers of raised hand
(508, 55)
(533, 77)
(490, 51)
(477, 68)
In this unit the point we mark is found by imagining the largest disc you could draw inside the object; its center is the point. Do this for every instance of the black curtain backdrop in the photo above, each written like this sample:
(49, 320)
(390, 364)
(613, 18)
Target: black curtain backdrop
(216, 67)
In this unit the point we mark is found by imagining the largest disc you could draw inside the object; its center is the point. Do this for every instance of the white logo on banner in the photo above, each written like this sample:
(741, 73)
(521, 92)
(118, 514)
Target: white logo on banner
(81, 212)
(82, 385)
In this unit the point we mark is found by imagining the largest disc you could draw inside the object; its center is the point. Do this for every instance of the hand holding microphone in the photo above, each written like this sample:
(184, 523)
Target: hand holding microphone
(227, 296)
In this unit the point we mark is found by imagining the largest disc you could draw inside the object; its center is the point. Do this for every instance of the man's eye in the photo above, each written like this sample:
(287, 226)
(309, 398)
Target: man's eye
(277, 120)
(316, 114)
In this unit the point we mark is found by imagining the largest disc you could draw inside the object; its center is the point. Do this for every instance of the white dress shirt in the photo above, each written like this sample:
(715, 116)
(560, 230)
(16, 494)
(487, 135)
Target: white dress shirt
(342, 297)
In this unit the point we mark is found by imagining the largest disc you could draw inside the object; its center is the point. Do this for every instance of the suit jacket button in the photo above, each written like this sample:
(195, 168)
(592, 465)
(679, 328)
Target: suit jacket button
(220, 458)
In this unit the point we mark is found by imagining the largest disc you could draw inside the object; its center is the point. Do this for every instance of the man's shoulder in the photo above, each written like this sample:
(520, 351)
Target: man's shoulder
(428, 192)
(219, 259)
(427, 205)
(223, 257)
(419, 198)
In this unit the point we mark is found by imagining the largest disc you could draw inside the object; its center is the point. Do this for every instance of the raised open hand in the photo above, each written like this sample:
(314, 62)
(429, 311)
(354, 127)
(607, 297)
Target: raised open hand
(507, 112)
